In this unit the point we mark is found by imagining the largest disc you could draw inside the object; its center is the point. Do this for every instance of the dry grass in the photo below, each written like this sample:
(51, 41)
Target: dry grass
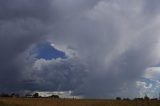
(71, 102)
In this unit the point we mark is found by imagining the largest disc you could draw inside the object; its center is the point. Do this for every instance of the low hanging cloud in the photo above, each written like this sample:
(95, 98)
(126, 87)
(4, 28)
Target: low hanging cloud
(108, 45)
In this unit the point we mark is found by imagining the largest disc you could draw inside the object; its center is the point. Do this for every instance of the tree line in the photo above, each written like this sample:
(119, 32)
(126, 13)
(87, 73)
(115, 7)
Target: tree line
(143, 98)
(35, 95)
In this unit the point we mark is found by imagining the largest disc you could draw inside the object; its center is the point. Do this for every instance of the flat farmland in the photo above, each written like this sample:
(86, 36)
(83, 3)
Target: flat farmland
(74, 102)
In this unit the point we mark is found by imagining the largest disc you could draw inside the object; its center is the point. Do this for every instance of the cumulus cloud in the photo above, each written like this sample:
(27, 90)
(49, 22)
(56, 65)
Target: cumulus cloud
(108, 44)
(150, 82)
(152, 73)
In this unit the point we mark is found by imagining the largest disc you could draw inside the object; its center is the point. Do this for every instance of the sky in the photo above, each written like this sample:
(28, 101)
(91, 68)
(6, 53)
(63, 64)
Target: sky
(93, 48)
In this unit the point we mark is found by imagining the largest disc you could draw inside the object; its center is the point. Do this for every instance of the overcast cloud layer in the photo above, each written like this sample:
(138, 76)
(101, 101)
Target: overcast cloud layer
(108, 43)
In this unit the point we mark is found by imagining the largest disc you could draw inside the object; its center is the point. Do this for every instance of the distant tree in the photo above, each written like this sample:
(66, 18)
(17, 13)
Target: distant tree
(28, 95)
(4, 95)
(146, 97)
(118, 98)
(14, 95)
(126, 99)
(54, 96)
(154, 99)
(36, 95)
(138, 99)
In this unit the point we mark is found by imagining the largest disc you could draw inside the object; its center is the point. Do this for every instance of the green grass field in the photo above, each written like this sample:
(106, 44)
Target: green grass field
(73, 102)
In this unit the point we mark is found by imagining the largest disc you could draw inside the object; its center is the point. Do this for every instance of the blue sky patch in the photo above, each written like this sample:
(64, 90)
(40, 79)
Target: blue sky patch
(48, 52)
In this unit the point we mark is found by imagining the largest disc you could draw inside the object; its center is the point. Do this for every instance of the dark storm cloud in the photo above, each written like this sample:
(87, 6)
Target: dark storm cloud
(109, 44)
(21, 25)
(25, 9)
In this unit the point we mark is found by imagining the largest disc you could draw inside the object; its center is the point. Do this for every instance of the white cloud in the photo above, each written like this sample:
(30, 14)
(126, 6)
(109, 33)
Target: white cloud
(151, 82)
(69, 52)
(152, 73)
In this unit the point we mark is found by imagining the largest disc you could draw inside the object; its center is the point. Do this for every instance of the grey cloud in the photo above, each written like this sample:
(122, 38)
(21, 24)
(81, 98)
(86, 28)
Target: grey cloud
(115, 42)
